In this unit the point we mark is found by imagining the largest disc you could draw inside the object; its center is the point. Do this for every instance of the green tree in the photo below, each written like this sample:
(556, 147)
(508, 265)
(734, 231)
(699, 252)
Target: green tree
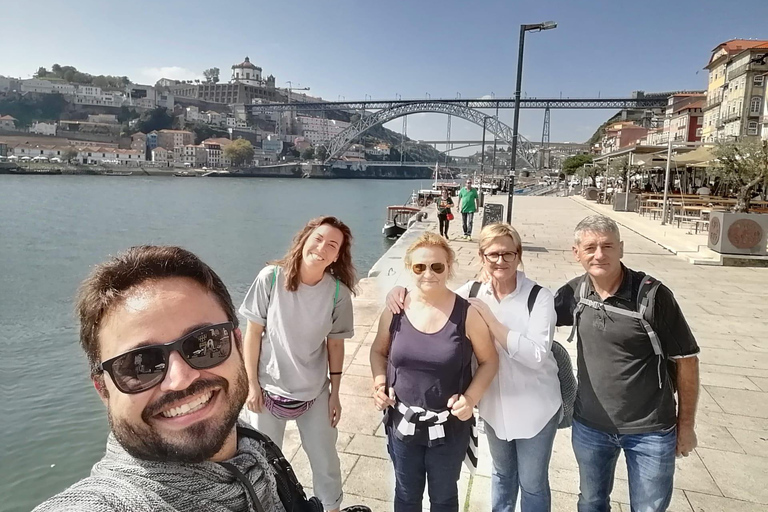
(41, 72)
(743, 164)
(620, 168)
(574, 163)
(127, 114)
(321, 153)
(239, 152)
(211, 75)
(156, 119)
(308, 154)
(56, 69)
(69, 154)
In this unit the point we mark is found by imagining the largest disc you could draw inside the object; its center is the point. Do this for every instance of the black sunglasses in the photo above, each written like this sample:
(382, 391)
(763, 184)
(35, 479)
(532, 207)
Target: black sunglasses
(420, 268)
(143, 368)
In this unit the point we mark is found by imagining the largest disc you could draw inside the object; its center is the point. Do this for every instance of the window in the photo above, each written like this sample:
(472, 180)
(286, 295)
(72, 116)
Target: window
(759, 81)
(755, 104)
(752, 128)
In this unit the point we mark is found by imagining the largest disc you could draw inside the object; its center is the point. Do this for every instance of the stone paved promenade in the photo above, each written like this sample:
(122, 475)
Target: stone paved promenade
(728, 312)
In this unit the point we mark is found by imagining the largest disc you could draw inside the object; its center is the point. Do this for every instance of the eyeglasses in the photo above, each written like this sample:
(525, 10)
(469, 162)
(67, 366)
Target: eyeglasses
(420, 268)
(143, 368)
(494, 257)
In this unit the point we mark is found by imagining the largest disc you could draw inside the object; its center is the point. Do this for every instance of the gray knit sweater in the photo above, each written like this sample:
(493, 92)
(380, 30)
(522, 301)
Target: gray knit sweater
(121, 483)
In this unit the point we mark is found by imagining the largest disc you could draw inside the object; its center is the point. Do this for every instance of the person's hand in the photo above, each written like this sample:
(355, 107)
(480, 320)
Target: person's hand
(461, 406)
(482, 308)
(381, 399)
(334, 408)
(255, 400)
(396, 299)
(686, 441)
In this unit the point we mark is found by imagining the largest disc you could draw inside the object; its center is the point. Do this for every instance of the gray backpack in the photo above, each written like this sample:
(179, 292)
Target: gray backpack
(562, 358)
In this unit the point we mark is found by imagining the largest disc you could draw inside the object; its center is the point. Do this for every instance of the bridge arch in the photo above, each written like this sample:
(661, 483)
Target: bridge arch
(339, 143)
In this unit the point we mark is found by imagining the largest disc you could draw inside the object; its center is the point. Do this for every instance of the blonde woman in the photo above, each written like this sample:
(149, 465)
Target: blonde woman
(521, 409)
(421, 365)
(299, 313)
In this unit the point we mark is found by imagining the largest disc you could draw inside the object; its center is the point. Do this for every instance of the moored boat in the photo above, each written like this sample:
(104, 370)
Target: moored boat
(397, 220)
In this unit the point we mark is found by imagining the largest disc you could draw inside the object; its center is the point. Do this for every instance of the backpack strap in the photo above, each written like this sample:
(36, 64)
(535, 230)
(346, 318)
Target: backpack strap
(579, 306)
(532, 297)
(474, 289)
(646, 299)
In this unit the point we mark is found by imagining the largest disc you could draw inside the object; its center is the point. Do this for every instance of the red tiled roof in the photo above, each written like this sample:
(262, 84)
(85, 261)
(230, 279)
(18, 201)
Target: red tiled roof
(246, 64)
(8, 118)
(737, 45)
(692, 105)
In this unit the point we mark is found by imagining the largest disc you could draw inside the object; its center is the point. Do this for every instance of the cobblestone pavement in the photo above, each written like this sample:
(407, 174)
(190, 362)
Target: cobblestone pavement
(727, 309)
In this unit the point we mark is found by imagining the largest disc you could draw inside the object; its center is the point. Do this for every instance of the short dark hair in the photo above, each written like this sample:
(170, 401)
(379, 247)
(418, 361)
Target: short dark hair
(109, 283)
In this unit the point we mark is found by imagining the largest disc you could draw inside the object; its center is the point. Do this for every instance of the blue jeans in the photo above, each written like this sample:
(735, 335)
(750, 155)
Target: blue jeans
(439, 465)
(524, 464)
(467, 219)
(650, 466)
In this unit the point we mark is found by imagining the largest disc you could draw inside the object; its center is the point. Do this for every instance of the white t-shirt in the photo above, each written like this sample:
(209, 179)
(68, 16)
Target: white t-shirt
(293, 362)
(525, 394)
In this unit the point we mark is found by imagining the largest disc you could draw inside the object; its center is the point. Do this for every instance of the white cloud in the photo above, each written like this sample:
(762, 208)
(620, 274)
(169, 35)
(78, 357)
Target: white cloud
(152, 75)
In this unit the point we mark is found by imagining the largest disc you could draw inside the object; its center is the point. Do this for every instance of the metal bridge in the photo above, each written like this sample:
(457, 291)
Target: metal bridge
(643, 102)
(338, 144)
(468, 109)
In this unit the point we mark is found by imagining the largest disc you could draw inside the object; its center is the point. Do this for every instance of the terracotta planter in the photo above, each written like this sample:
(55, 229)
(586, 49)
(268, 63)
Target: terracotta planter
(738, 233)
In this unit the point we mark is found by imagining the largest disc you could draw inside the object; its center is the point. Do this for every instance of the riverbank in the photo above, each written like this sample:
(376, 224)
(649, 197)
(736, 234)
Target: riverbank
(340, 170)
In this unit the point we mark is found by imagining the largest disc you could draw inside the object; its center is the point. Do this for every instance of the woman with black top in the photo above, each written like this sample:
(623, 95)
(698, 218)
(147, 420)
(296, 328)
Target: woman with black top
(421, 364)
(444, 215)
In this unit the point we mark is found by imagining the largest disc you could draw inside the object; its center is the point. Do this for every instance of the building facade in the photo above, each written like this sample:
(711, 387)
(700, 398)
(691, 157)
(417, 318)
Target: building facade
(170, 139)
(736, 90)
(319, 130)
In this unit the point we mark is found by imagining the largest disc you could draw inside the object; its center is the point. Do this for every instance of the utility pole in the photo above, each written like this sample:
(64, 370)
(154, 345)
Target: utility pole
(482, 162)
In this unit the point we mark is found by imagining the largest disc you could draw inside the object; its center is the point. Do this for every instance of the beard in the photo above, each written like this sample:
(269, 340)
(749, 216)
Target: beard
(196, 443)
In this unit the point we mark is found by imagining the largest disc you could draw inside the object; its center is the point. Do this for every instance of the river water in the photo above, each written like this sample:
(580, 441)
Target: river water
(53, 228)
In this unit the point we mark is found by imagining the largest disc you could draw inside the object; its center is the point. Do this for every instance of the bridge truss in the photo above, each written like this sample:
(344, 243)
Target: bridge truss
(646, 102)
(338, 144)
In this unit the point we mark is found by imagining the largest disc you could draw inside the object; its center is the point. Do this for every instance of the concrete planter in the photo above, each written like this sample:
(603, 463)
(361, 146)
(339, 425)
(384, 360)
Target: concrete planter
(738, 233)
(590, 193)
(619, 201)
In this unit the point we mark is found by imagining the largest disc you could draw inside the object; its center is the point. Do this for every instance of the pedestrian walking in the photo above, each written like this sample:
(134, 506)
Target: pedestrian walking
(444, 215)
(635, 350)
(421, 362)
(521, 316)
(299, 312)
(468, 206)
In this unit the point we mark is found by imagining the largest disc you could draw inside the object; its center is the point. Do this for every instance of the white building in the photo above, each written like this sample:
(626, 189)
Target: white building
(318, 130)
(192, 114)
(8, 84)
(7, 123)
(43, 128)
(246, 72)
(191, 155)
(378, 150)
(214, 149)
(162, 156)
(47, 86)
(354, 152)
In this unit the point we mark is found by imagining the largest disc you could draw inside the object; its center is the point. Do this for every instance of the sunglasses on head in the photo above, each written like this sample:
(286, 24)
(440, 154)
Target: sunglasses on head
(420, 268)
(143, 368)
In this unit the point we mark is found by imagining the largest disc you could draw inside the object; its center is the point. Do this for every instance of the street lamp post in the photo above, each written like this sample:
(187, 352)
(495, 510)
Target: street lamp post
(536, 27)
(482, 163)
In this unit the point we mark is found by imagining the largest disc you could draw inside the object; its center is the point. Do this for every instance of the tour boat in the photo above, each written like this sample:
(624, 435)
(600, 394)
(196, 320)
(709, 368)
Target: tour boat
(397, 220)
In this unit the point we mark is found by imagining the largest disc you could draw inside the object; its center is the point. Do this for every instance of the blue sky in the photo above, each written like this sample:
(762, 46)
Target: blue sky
(357, 47)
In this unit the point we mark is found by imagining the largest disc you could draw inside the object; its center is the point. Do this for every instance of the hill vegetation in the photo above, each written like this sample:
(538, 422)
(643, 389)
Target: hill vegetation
(72, 75)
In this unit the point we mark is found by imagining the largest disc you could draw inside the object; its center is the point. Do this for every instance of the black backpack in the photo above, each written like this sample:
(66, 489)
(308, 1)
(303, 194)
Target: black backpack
(646, 300)
(562, 358)
(289, 489)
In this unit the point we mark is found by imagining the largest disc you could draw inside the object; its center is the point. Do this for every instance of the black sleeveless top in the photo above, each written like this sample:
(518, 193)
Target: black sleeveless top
(427, 369)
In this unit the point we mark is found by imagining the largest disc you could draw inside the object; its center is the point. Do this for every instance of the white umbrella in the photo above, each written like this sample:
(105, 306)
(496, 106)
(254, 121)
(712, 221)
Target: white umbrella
(55, 159)
(13, 157)
(25, 158)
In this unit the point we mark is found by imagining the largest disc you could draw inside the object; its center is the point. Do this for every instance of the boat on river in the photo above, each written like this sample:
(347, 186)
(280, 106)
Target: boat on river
(115, 173)
(397, 220)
